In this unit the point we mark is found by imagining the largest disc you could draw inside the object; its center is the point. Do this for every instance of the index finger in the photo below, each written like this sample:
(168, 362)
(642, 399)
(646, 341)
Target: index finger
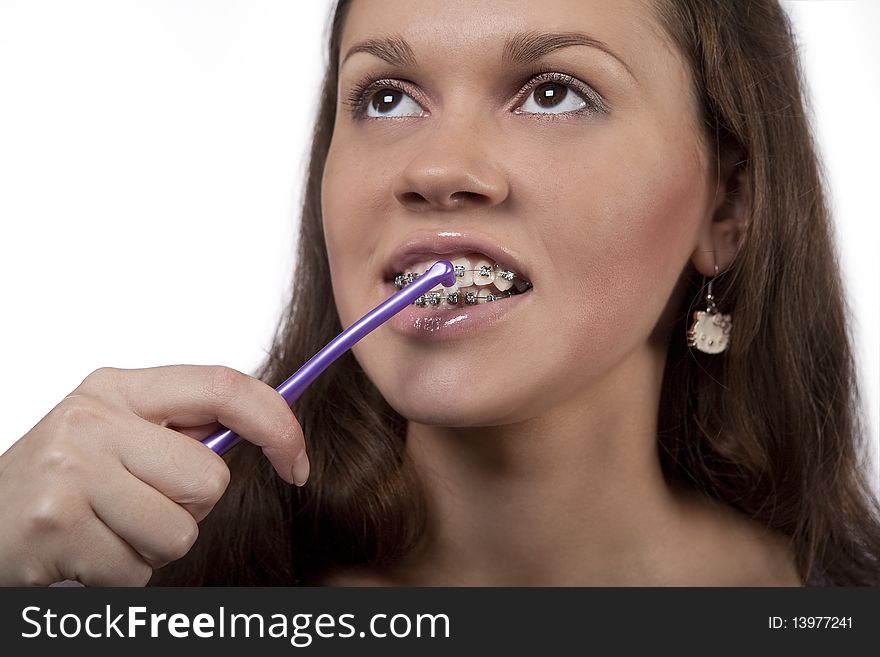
(184, 395)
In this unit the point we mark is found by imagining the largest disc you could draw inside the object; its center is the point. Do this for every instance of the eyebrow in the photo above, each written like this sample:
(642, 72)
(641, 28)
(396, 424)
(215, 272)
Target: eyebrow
(519, 49)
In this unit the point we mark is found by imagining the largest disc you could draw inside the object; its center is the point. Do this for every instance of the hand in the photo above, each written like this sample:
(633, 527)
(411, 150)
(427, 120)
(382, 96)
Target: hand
(112, 482)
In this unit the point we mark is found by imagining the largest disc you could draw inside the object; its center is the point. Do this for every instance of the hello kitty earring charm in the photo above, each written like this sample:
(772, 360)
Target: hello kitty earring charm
(710, 332)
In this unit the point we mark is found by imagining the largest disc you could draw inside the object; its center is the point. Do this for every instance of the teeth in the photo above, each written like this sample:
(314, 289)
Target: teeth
(463, 276)
(504, 280)
(472, 270)
(422, 267)
(485, 271)
(469, 295)
(418, 269)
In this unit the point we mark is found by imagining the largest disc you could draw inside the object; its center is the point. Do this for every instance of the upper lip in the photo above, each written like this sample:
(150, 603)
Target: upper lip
(425, 246)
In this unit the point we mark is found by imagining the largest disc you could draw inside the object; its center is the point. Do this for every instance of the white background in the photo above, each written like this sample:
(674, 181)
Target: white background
(152, 155)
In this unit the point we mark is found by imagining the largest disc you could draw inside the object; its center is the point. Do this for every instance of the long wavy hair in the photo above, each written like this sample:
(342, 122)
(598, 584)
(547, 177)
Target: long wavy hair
(772, 427)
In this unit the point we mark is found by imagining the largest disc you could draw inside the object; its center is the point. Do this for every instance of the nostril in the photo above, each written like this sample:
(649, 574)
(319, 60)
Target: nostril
(412, 197)
(467, 197)
(415, 199)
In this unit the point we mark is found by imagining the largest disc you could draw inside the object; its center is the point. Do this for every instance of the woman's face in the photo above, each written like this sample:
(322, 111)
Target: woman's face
(597, 184)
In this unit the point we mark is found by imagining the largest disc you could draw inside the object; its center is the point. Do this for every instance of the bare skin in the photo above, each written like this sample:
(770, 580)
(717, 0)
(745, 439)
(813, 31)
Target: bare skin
(110, 485)
(720, 548)
(540, 462)
(552, 481)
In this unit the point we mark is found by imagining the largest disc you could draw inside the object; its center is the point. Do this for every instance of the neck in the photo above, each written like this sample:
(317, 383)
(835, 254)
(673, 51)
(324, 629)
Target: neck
(574, 495)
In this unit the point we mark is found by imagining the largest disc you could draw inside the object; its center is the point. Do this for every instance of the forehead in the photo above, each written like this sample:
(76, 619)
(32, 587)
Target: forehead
(460, 30)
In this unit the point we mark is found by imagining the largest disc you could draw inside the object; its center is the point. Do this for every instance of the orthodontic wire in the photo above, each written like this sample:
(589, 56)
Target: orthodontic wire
(426, 299)
(441, 272)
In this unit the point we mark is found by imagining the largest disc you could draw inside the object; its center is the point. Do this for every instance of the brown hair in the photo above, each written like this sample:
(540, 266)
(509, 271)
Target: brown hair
(772, 427)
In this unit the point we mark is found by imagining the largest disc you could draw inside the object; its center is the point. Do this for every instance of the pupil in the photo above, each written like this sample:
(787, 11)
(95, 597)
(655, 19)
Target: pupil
(550, 94)
(386, 99)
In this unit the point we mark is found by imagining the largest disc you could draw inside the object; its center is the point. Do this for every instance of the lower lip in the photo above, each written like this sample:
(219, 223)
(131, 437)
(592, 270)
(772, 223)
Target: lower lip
(451, 322)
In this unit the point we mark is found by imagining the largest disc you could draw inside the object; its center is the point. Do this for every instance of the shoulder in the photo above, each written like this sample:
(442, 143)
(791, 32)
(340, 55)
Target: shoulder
(743, 551)
(773, 562)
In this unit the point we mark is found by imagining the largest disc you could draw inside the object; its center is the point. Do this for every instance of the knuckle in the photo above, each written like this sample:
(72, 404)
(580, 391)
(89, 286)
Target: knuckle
(298, 431)
(215, 482)
(288, 430)
(297, 438)
(225, 383)
(141, 574)
(45, 515)
(101, 377)
(182, 542)
(77, 410)
(59, 460)
(33, 575)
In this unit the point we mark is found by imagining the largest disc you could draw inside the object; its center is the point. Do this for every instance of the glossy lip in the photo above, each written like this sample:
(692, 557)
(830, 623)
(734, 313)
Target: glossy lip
(434, 246)
(454, 322)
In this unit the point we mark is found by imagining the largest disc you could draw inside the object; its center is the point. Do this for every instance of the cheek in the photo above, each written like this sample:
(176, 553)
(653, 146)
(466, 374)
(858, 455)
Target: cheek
(623, 226)
(351, 236)
(333, 206)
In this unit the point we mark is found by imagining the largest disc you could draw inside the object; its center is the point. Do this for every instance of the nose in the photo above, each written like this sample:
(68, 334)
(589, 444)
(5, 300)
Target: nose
(452, 170)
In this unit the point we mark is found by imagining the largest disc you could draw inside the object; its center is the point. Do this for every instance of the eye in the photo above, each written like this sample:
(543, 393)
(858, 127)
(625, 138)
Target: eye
(548, 93)
(558, 93)
(382, 99)
(391, 100)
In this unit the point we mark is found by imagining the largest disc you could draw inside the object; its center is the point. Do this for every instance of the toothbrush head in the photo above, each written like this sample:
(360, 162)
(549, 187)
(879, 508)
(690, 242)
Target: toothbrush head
(444, 268)
(441, 272)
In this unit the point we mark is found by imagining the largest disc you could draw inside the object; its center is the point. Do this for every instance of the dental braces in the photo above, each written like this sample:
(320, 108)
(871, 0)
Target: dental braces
(453, 298)
(402, 280)
(469, 298)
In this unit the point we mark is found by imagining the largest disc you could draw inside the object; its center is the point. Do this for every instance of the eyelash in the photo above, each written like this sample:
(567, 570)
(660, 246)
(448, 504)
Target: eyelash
(356, 100)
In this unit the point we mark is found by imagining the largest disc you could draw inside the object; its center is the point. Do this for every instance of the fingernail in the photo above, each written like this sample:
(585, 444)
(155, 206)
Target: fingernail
(301, 469)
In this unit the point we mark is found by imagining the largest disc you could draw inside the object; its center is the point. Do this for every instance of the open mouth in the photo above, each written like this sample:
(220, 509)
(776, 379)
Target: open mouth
(477, 280)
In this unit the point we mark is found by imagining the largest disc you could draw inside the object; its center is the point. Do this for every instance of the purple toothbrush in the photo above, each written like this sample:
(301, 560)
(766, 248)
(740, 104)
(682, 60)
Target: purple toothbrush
(441, 272)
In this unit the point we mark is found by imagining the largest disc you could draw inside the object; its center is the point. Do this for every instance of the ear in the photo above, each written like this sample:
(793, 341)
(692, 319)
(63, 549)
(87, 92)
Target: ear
(725, 225)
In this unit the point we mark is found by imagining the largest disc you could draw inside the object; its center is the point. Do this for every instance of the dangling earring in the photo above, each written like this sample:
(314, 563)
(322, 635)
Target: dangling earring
(710, 332)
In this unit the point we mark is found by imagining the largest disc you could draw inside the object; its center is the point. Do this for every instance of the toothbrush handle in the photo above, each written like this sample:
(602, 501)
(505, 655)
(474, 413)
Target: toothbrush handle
(441, 272)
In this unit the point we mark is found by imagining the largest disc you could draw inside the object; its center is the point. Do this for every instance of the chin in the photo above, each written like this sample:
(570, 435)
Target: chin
(455, 410)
